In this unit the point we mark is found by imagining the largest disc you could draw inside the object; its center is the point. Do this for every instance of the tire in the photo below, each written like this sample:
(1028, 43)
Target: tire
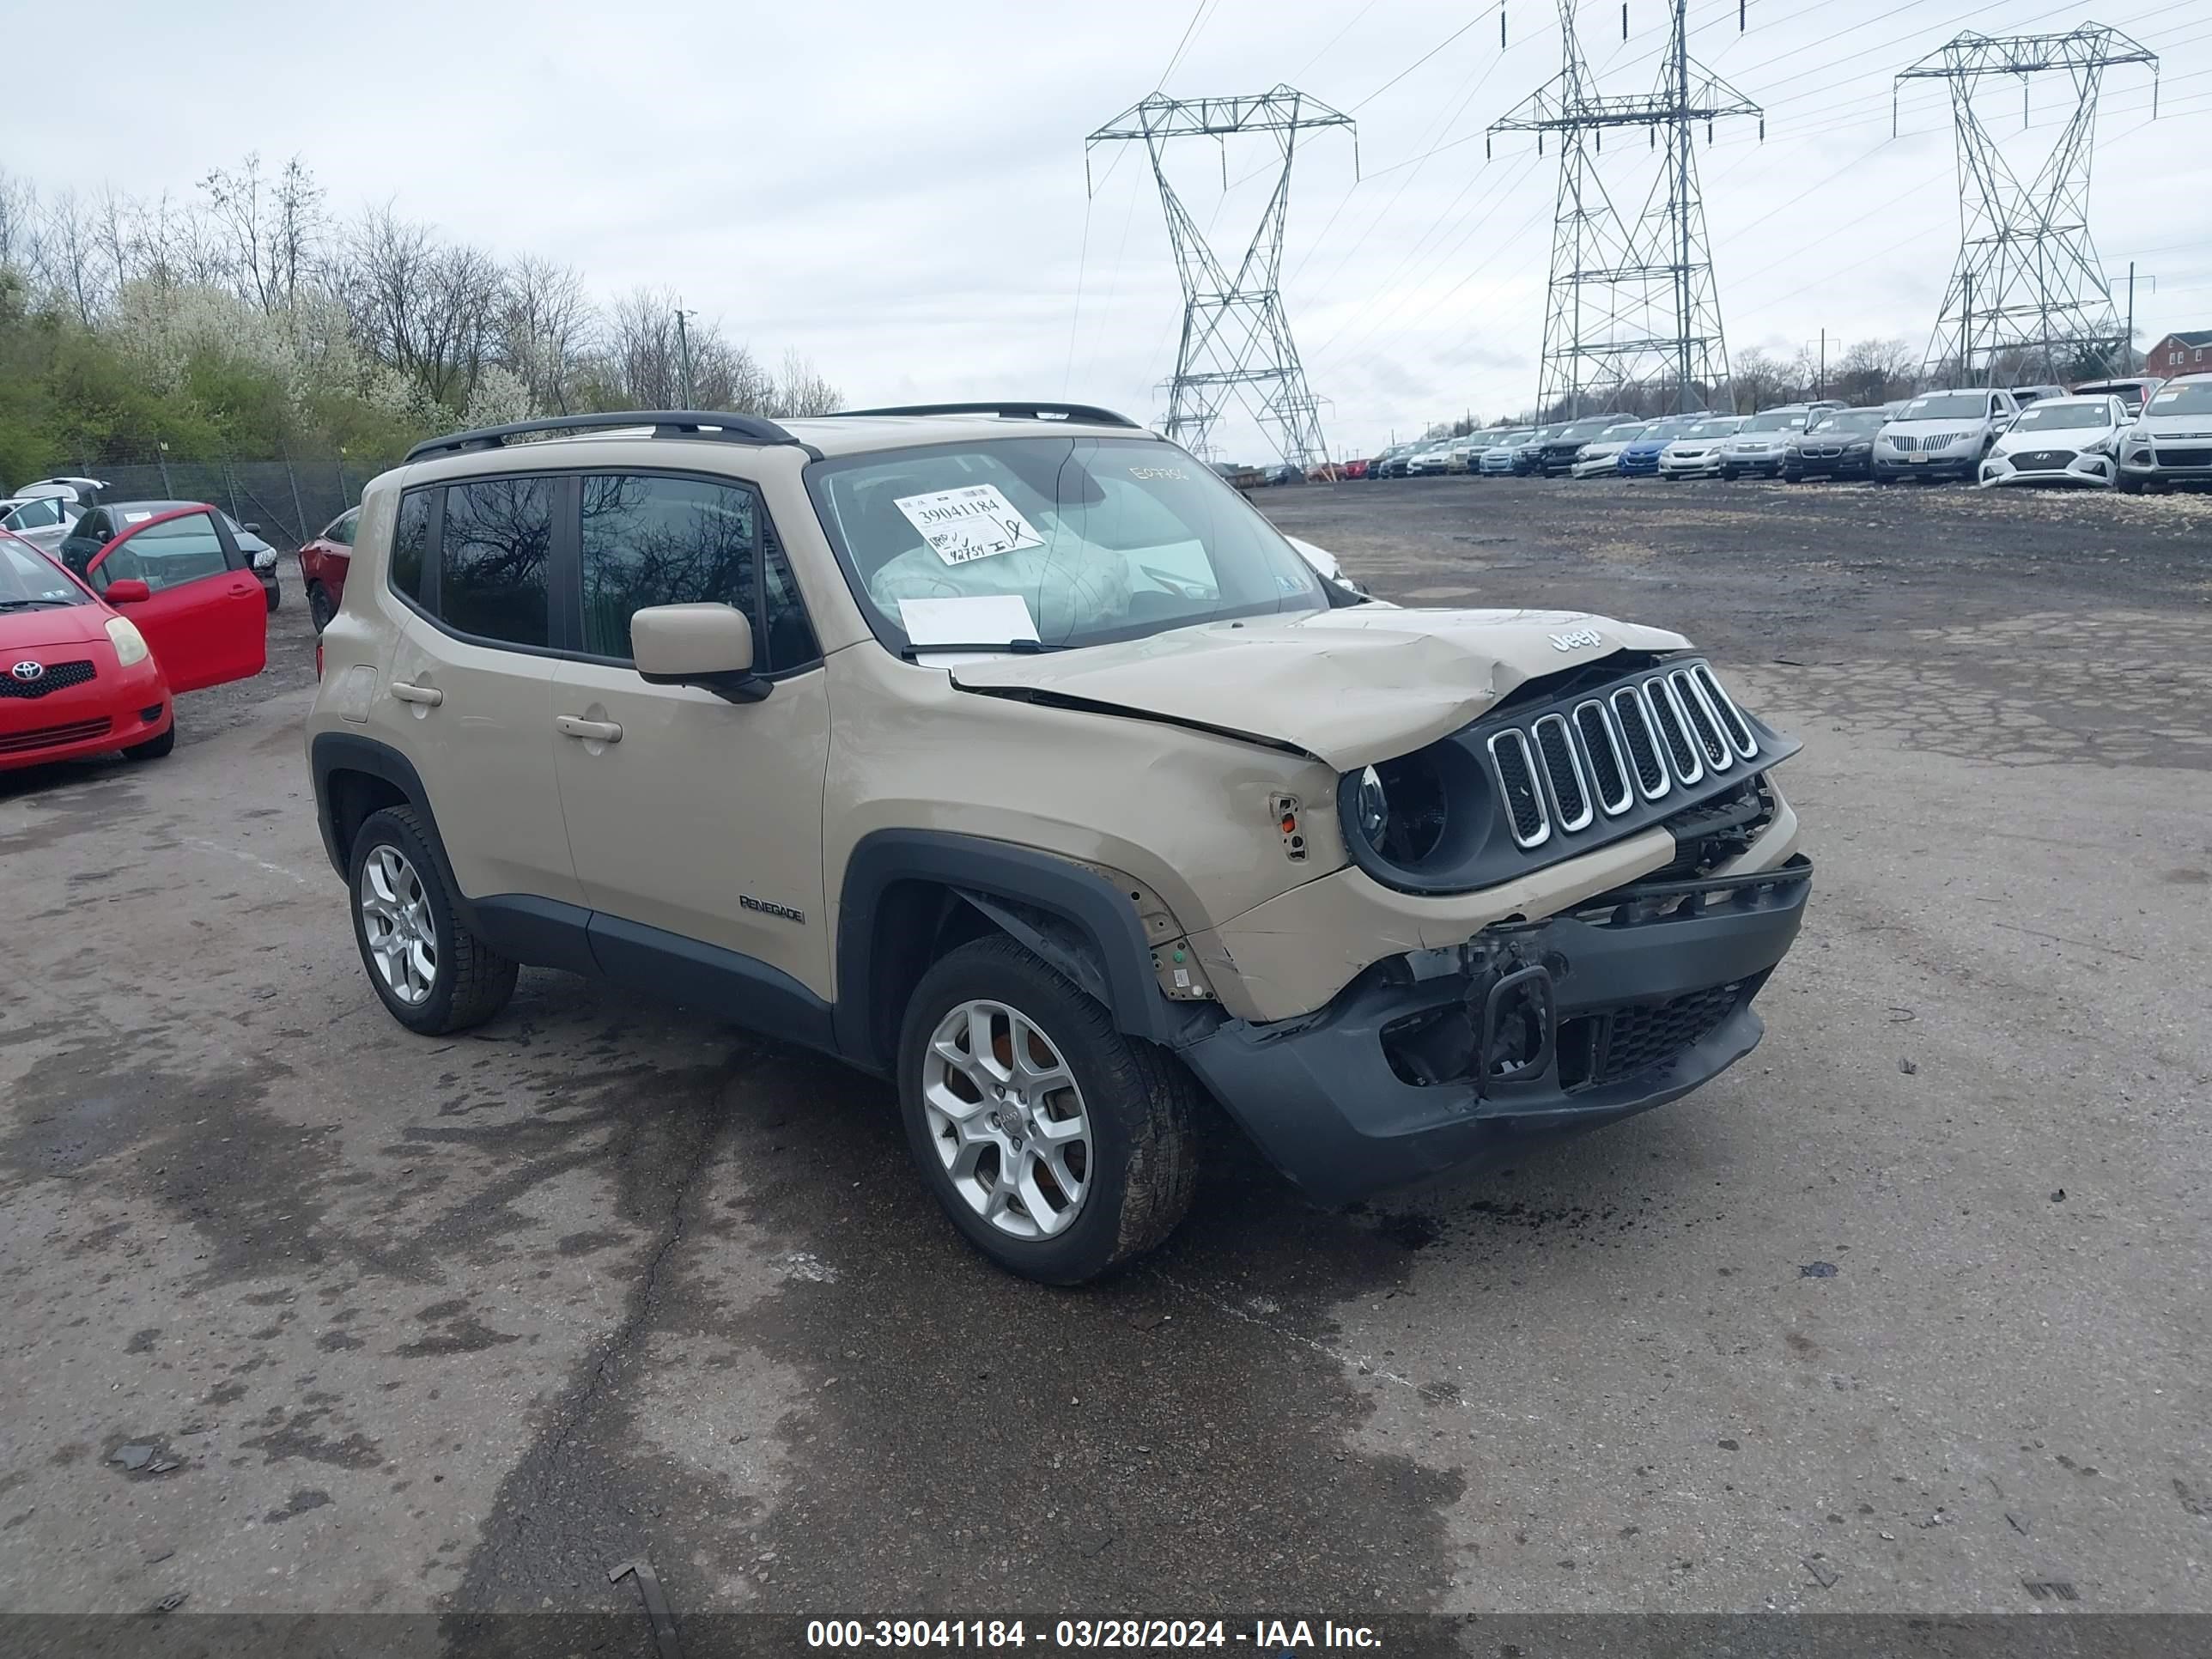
(276, 597)
(320, 608)
(1729, 475)
(1134, 1102)
(2130, 484)
(155, 748)
(468, 982)
(1789, 476)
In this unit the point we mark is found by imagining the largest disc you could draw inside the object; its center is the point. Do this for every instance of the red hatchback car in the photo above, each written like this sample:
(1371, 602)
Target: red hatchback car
(323, 563)
(77, 677)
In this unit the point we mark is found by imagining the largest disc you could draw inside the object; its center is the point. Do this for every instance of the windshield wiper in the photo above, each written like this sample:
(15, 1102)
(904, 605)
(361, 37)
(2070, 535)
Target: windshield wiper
(1021, 647)
(32, 605)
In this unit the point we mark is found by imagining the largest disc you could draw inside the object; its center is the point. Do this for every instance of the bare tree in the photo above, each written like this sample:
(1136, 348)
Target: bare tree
(544, 330)
(74, 261)
(20, 248)
(802, 390)
(1760, 381)
(273, 226)
(1875, 371)
(421, 307)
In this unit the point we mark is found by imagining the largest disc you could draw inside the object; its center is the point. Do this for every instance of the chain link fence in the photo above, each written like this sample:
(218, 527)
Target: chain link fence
(288, 501)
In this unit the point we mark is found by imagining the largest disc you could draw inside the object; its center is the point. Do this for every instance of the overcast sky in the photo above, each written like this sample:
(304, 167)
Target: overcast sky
(897, 187)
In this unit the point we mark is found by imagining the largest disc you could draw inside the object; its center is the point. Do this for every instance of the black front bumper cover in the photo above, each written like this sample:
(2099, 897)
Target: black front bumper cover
(1664, 973)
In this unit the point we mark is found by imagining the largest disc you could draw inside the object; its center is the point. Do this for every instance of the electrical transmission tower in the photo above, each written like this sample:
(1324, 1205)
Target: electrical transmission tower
(1236, 335)
(2028, 281)
(1633, 301)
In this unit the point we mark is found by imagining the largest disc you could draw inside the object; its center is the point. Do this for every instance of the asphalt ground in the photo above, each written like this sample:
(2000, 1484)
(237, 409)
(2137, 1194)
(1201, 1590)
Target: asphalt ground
(1907, 1313)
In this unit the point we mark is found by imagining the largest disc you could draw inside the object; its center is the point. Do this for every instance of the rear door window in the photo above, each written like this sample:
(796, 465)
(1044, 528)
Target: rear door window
(410, 543)
(493, 558)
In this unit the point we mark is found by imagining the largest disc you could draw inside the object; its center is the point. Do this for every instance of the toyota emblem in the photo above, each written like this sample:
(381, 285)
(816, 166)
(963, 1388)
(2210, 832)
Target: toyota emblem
(27, 671)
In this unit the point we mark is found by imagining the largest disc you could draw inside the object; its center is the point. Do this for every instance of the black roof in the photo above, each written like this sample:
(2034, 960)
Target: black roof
(2192, 337)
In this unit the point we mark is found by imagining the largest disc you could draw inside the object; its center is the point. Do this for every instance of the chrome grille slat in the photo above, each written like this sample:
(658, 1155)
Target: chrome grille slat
(1731, 717)
(1563, 772)
(1524, 796)
(1675, 727)
(1704, 722)
(1608, 760)
(1633, 716)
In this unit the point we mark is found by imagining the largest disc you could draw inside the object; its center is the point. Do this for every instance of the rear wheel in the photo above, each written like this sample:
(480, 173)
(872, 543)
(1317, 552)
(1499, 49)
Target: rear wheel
(430, 972)
(1058, 1146)
(320, 608)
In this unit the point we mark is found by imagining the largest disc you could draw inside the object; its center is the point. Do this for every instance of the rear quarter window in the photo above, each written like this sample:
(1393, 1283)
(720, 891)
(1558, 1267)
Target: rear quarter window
(411, 543)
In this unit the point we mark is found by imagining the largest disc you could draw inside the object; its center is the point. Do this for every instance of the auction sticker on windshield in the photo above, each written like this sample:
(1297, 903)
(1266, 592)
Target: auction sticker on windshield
(973, 522)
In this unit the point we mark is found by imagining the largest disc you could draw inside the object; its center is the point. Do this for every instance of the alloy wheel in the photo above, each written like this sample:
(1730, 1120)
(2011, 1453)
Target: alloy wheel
(1007, 1119)
(395, 914)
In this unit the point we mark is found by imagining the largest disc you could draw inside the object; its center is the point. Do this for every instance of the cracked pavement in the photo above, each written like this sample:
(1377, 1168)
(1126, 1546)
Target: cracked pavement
(456, 1325)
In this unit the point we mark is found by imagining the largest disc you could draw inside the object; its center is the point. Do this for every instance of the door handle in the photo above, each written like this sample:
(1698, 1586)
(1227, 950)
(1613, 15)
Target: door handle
(590, 731)
(429, 695)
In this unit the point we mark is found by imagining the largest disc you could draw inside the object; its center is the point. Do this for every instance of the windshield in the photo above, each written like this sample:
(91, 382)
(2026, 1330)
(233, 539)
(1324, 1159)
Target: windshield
(2046, 416)
(1097, 539)
(2194, 398)
(1775, 420)
(1711, 429)
(1584, 430)
(28, 579)
(1849, 421)
(1947, 406)
(1622, 434)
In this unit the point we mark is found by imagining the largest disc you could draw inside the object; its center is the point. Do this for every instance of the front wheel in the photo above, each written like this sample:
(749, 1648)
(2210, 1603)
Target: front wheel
(2130, 484)
(1058, 1146)
(430, 972)
(155, 748)
(1729, 475)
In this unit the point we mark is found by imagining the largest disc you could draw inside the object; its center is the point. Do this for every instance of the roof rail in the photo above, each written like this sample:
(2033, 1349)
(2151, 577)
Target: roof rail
(1088, 413)
(665, 422)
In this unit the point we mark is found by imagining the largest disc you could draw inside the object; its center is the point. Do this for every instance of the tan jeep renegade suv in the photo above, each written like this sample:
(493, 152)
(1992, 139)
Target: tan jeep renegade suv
(1006, 753)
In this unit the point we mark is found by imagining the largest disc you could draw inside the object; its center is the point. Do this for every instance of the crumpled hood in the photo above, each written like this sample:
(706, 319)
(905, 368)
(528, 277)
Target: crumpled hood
(1348, 687)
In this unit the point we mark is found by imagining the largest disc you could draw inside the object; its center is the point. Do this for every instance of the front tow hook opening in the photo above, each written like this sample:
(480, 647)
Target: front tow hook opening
(1517, 1030)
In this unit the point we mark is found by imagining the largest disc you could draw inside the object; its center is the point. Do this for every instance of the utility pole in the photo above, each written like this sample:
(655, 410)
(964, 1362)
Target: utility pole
(2024, 242)
(683, 357)
(2129, 344)
(1236, 333)
(1632, 297)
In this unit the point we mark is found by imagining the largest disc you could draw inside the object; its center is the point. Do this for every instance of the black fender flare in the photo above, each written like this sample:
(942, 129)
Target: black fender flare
(343, 751)
(983, 871)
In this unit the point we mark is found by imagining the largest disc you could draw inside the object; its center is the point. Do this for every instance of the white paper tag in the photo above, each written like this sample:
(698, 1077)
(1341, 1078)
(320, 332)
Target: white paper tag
(969, 619)
(136, 517)
(973, 522)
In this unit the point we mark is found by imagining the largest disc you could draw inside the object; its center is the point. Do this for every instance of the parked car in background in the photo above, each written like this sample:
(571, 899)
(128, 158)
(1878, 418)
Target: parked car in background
(1758, 445)
(1431, 460)
(1283, 472)
(70, 486)
(2059, 441)
(201, 609)
(1391, 462)
(1696, 453)
(80, 678)
(1837, 443)
(324, 560)
(1496, 461)
(1599, 457)
(2171, 441)
(2134, 392)
(1529, 456)
(42, 520)
(1640, 458)
(1559, 450)
(2024, 395)
(260, 557)
(1941, 435)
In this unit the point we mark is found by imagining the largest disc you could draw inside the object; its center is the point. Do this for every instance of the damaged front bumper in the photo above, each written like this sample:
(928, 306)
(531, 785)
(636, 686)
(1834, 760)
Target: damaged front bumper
(1428, 1063)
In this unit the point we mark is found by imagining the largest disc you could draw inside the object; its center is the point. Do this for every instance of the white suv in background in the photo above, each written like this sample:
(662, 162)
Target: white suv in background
(2172, 442)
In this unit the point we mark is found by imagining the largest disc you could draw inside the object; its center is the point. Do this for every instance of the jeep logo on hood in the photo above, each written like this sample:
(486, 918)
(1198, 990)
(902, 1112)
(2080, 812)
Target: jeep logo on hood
(1577, 641)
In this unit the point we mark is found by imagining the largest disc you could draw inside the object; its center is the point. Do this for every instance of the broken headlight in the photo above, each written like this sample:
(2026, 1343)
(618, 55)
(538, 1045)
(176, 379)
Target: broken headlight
(1406, 809)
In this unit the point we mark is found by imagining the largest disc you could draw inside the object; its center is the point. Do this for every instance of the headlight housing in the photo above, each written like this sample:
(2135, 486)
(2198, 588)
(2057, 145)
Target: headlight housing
(130, 644)
(1416, 809)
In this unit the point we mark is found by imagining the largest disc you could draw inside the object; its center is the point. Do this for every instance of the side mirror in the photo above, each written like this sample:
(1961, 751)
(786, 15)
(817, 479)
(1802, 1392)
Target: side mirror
(709, 646)
(127, 589)
(255, 528)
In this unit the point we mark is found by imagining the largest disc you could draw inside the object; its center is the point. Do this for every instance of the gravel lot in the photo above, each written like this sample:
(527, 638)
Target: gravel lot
(1907, 1312)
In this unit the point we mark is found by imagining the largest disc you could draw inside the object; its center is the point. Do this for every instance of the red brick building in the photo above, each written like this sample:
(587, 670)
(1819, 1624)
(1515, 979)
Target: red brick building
(2186, 353)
